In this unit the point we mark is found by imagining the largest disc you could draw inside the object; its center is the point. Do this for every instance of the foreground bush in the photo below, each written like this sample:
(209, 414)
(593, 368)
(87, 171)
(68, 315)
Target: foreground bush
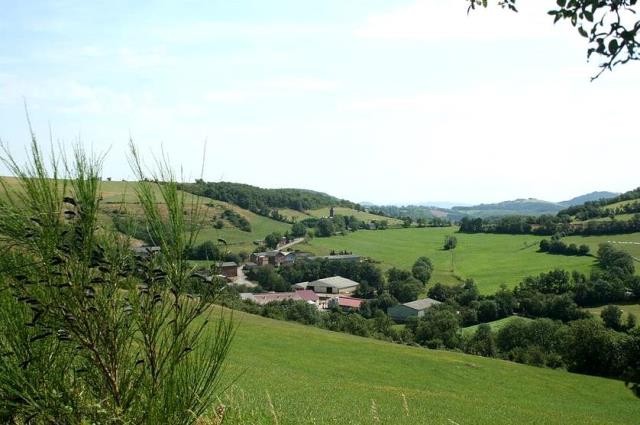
(88, 332)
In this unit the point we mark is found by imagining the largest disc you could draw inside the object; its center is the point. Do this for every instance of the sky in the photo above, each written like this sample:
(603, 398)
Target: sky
(383, 101)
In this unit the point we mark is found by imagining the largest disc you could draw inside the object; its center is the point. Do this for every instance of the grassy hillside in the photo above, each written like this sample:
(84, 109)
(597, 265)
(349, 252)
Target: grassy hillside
(490, 259)
(496, 325)
(305, 375)
(628, 242)
(114, 193)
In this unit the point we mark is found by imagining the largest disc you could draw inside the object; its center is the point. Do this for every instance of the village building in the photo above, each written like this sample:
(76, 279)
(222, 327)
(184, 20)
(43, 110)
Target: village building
(333, 285)
(402, 312)
(266, 298)
(273, 258)
(345, 303)
(228, 269)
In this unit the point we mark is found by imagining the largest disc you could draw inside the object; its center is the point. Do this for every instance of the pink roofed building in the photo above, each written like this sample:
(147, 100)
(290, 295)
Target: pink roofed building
(346, 303)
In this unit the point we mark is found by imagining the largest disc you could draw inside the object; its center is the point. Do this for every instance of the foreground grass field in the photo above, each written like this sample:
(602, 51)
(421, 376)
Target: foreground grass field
(489, 259)
(293, 374)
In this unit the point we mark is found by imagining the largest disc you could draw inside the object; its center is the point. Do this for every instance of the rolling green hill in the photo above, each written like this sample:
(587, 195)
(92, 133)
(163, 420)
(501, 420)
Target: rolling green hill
(114, 193)
(292, 374)
(490, 259)
(516, 207)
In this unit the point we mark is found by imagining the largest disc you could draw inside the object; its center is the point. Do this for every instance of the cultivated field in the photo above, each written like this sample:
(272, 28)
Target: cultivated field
(305, 375)
(489, 259)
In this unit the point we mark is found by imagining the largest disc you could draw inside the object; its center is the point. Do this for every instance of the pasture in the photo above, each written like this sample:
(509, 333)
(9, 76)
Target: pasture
(286, 373)
(490, 259)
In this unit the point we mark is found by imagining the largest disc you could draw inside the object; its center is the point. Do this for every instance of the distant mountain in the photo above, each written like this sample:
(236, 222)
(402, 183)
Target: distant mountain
(593, 196)
(529, 206)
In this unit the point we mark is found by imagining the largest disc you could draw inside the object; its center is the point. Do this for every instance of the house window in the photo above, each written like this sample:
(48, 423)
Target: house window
(329, 290)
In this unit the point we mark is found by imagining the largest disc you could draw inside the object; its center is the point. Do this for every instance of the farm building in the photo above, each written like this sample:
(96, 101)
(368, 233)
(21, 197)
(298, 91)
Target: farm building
(274, 258)
(333, 285)
(262, 299)
(300, 285)
(345, 303)
(402, 312)
(228, 269)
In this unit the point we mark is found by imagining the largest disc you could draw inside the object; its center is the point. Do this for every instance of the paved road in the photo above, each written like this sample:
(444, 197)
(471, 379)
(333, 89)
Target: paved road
(241, 279)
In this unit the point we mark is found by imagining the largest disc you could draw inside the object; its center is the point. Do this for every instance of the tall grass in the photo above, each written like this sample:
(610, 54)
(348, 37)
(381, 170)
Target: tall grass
(89, 333)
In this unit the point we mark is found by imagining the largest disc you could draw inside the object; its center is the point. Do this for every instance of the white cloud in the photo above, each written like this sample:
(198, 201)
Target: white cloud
(145, 59)
(287, 85)
(302, 84)
(204, 31)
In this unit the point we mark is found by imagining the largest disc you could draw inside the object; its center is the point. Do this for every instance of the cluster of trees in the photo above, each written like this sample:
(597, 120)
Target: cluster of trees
(236, 220)
(264, 201)
(557, 246)
(329, 226)
(548, 225)
(450, 242)
(514, 224)
(417, 213)
(584, 345)
(210, 251)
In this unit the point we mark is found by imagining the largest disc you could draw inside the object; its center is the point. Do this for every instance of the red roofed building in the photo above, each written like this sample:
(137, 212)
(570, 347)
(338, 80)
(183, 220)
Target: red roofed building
(346, 303)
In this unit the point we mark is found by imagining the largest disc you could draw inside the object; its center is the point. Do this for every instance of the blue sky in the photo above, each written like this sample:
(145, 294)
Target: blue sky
(371, 100)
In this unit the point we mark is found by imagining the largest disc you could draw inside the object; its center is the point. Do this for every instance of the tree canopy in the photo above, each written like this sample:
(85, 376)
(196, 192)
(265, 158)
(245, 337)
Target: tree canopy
(610, 27)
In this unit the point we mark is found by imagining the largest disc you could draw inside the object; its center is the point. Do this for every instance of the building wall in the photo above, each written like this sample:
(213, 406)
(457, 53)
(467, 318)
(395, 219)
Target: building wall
(230, 271)
(401, 313)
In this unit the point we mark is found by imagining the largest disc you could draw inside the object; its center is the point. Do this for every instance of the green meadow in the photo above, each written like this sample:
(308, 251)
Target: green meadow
(496, 325)
(285, 373)
(488, 258)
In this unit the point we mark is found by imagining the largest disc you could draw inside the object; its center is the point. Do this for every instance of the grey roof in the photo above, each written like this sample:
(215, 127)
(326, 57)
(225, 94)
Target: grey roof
(335, 281)
(422, 304)
(229, 264)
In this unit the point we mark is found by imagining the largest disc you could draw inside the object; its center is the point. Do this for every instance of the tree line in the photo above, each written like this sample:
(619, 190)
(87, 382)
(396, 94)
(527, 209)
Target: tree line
(547, 225)
(264, 201)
